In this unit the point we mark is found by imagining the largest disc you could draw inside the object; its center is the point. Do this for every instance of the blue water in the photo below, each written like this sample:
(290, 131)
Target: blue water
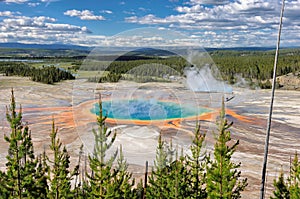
(22, 60)
(140, 109)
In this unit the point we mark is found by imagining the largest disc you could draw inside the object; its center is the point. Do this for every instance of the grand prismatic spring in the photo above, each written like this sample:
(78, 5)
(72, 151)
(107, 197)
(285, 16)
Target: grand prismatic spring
(148, 110)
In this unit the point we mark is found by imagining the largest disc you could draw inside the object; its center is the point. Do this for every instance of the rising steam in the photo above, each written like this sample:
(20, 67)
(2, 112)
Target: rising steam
(203, 80)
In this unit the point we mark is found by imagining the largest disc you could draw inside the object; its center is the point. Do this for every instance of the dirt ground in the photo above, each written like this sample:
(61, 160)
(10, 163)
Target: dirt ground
(70, 104)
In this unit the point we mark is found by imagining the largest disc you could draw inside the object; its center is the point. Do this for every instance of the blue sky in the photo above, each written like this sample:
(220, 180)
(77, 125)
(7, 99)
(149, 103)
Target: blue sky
(207, 23)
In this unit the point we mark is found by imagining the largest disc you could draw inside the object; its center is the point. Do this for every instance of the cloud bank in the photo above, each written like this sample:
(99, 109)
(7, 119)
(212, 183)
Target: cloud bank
(209, 23)
(84, 15)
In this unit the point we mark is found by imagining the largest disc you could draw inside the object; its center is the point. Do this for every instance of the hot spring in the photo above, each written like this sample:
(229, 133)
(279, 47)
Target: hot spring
(147, 110)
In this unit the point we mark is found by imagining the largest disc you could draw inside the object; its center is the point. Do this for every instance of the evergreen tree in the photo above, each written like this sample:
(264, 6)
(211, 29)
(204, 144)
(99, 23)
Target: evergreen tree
(122, 182)
(81, 187)
(4, 193)
(60, 175)
(281, 188)
(197, 162)
(22, 180)
(158, 180)
(294, 179)
(177, 178)
(138, 192)
(169, 178)
(41, 172)
(291, 188)
(223, 177)
(101, 178)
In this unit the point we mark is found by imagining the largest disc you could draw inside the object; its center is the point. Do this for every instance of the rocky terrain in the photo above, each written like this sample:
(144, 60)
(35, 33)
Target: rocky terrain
(290, 81)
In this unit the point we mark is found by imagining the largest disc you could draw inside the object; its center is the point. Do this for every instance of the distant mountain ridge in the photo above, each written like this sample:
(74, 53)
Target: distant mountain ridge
(44, 46)
(242, 49)
(61, 49)
(147, 50)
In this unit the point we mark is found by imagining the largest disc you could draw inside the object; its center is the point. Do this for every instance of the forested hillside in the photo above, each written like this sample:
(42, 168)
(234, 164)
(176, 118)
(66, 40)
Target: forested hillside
(48, 74)
(255, 67)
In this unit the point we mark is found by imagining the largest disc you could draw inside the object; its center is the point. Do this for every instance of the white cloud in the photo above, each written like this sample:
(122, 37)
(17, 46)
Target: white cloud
(210, 2)
(65, 27)
(186, 9)
(15, 1)
(251, 22)
(151, 37)
(221, 24)
(48, 1)
(46, 30)
(39, 29)
(106, 11)
(129, 12)
(6, 14)
(152, 19)
(83, 15)
(23, 21)
(144, 9)
(33, 4)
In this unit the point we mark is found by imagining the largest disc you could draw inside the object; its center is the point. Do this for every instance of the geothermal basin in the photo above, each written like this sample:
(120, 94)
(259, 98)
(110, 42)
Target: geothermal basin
(71, 105)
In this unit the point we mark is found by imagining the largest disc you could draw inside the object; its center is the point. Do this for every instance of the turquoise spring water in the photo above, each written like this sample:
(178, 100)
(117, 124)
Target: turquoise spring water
(140, 109)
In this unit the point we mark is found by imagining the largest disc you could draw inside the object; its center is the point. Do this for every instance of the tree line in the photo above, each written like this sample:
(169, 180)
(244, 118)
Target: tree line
(47, 75)
(254, 66)
(174, 175)
(150, 72)
(152, 69)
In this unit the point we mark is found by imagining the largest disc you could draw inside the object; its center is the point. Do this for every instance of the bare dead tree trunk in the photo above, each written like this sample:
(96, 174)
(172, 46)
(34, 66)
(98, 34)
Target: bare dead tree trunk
(145, 181)
(263, 176)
